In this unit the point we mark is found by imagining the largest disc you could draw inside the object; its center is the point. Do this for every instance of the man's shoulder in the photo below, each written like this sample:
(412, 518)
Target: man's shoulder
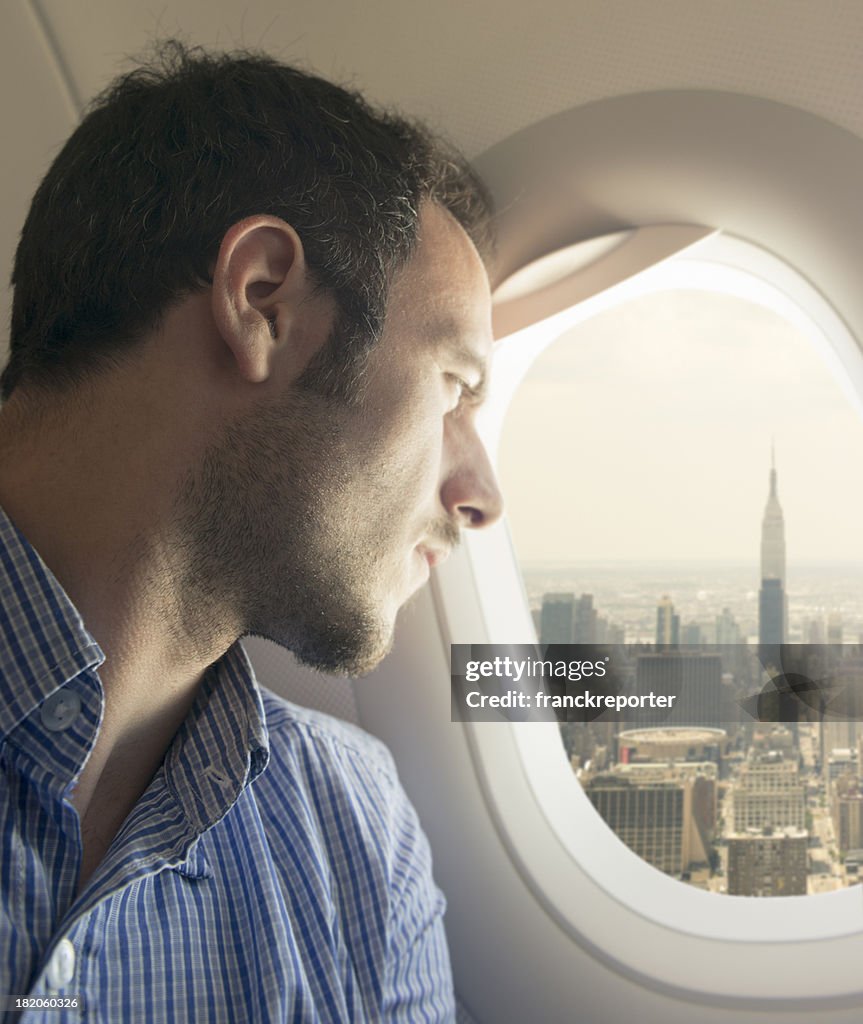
(335, 790)
(323, 743)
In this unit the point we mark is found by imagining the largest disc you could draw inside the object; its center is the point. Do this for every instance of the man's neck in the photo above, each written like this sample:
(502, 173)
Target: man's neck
(96, 504)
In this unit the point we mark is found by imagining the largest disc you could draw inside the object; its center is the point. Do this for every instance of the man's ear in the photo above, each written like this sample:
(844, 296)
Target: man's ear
(260, 282)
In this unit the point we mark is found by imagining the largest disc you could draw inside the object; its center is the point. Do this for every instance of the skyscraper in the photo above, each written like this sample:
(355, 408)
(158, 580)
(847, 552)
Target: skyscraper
(773, 534)
(767, 863)
(772, 613)
(847, 813)
(667, 624)
(771, 618)
(564, 619)
(557, 618)
(584, 620)
(666, 813)
(769, 793)
(727, 630)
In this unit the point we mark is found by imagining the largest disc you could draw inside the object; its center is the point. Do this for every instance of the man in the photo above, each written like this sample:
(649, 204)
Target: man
(250, 328)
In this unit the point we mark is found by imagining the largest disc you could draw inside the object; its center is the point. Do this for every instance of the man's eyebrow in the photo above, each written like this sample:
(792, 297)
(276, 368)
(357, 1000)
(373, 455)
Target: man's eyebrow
(447, 334)
(474, 391)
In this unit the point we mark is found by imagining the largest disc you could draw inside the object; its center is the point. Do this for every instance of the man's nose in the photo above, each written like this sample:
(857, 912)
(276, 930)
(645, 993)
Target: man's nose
(469, 491)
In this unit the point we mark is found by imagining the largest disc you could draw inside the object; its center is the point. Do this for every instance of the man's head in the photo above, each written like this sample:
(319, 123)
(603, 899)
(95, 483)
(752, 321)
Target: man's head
(320, 517)
(131, 214)
(296, 278)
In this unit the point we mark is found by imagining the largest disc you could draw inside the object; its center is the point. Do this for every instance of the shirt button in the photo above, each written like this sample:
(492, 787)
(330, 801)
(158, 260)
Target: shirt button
(60, 710)
(61, 966)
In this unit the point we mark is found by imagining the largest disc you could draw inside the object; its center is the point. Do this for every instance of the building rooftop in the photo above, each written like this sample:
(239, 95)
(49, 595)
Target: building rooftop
(674, 735)
(775, 833)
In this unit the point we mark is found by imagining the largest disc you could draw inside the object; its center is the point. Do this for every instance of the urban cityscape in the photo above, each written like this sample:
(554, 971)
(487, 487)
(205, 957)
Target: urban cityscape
(752, 804)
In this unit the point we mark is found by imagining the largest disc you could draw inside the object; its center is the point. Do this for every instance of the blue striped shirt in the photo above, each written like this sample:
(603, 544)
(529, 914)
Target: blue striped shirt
(274, 869)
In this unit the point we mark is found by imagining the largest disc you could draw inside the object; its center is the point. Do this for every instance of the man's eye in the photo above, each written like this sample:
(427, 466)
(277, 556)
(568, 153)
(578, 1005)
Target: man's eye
(459, 386)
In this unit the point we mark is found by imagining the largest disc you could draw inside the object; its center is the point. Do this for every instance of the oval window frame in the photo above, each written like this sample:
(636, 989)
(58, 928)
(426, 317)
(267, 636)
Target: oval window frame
(604, 896)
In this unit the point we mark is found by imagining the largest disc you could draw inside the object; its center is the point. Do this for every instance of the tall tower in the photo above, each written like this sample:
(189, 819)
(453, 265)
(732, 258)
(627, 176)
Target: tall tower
(772, 613)
(667, 624)
(773, 533)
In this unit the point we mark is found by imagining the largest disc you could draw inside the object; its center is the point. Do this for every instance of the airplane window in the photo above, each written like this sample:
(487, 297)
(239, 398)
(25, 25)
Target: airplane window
(681, 480)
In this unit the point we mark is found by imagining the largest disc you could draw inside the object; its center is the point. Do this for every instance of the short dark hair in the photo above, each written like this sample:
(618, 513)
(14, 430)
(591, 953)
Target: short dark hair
(132, 211)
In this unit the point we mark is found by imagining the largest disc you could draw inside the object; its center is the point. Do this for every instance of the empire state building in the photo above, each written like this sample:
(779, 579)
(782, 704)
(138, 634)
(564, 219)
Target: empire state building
(771, 604)
(773, 535)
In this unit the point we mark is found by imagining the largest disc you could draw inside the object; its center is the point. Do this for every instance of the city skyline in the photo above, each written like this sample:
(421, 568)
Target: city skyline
(765, 615)
(719, 796)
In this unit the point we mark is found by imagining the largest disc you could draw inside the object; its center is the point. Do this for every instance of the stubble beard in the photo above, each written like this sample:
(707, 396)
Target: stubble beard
(254, 523)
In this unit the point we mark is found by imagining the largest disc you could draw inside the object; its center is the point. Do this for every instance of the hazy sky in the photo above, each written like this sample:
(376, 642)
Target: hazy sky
(644, 434)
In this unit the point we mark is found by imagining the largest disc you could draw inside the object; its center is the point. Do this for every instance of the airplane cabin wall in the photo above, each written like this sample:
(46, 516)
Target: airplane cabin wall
(481, 72)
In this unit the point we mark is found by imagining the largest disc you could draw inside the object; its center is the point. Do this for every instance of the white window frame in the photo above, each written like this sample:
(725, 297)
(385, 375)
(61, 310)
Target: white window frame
(604, 896)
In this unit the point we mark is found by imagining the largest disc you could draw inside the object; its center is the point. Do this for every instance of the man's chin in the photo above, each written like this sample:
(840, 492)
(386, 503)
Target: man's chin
(354, 652)
(347, 663)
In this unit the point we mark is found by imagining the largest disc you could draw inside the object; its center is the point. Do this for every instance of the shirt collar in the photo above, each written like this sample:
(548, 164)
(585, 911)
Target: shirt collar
(222, 745)
(43, 640)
